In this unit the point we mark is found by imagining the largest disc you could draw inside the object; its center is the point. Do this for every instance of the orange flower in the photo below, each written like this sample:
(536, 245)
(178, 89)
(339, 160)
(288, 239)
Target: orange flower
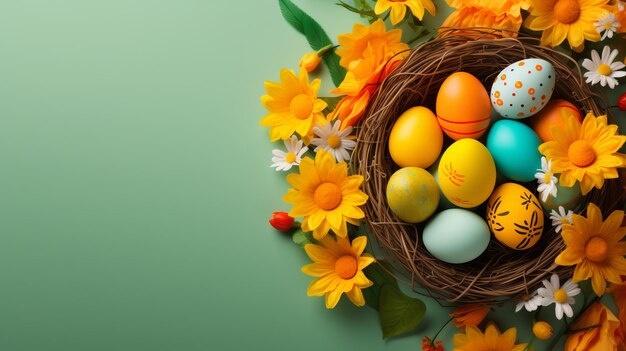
(605, 336)
(469, 315)
(505, 15)
(310, 61)
(369, 54)
(619, 294)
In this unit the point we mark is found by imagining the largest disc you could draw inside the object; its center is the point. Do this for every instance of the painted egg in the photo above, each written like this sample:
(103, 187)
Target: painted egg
(467, 173)
(463, 107)
(514, 147)
(416, 138)
(456, 236)
(515, 216)
(523, 88)
(553, 115)
(412, 194)
(568, 197)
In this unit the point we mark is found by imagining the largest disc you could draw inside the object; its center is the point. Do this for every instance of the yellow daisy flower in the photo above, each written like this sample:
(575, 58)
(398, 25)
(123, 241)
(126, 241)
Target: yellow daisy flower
(293, 105)
(586, 152)
(375, 37)
(561, 19)
(325, 195)
(339, 267)
(595, 247)
(398, 8)
(491, 340)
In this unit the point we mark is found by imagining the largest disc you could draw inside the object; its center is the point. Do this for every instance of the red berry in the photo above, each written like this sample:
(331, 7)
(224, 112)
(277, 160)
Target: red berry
(621, 102)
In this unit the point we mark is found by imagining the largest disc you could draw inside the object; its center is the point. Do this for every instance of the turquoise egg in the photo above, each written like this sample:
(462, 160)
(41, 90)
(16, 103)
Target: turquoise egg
(568, 197)
(514, 148)
(456, 235)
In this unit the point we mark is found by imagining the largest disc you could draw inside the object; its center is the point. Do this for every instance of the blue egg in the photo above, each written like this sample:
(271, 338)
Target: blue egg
(514, 148)
(568, 197)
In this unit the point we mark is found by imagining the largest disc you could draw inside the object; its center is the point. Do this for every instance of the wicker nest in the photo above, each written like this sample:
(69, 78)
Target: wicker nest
(500, 273)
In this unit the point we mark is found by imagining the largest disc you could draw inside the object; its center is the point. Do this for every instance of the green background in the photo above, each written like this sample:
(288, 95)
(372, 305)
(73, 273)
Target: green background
(136, 185)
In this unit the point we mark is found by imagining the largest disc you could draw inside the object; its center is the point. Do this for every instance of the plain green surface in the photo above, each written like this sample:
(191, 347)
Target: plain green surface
(136, 184)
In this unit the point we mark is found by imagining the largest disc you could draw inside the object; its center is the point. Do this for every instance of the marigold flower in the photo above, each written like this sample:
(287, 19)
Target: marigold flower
(491, 340)
(469, 315)
(281, 221)
(619, 294)
(542, 330)
(601, 338)
(310, 61)
(505, 15)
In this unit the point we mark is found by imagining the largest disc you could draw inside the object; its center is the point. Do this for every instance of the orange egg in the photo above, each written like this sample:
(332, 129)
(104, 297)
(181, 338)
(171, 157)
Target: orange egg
(463, 106)
(553, 115)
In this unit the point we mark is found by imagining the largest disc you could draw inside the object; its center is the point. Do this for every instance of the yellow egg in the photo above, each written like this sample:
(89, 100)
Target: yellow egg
(412, 194)
(515, 216)
(467, 173)
(416, 138)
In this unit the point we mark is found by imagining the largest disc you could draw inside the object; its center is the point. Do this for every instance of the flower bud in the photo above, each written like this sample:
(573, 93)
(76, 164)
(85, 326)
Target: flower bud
(281, 221)
(310, 61)
(542, 330)
(621, 102)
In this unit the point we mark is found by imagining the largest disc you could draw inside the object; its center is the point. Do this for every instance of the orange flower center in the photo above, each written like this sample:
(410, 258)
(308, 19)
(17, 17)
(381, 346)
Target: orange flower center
(581, 153)
(301, 106)
(327, 196)
(547, 178)
(560, 296)
(605, 69)
(597, 249)
(567, 11)
(290, 157)
(346, 266)
(333, 141)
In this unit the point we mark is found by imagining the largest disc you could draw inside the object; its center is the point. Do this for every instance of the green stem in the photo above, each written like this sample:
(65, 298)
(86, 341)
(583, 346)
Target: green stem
(530, 343)
(574, 331)
(441, 329)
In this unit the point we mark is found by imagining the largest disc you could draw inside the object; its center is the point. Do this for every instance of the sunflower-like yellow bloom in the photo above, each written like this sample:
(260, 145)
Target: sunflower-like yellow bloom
(354, 46)
(491, 340)
(603, 337)
(293, 105)
(505, 15)
(398, 8)
(339, 267)
(325, 196)
(586, 152)
(595, 247)
(566, 19)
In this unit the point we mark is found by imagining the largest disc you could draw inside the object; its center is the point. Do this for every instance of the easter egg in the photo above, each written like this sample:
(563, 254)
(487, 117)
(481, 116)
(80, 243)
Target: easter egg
(514, 147)
(515, 216)
(456, 236)
(523, 88)
(568, 197)
(412, 194)
(416, 138)
(553, 115)
(463, 107)
(444, 203)
(467, 173)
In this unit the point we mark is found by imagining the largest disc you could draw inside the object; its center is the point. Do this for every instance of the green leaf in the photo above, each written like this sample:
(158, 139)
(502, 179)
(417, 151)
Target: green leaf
(331, 102)
(362, 8)
(378, 273)
(315, 35)
(399, 313)
(301, 238)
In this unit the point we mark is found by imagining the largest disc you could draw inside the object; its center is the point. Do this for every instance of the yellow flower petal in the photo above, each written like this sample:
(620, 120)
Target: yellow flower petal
(356, 296)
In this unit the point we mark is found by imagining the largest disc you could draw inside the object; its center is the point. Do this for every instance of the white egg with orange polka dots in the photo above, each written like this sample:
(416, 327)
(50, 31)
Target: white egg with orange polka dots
(523, 88)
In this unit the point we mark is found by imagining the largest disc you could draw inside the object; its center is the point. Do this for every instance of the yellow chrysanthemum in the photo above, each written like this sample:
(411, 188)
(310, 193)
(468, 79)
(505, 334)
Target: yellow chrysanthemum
(586, 152)
(561, 19)
(325, 195)
(293, 105)
(505, 15)
(491, 340)
(354, 45)
(398, 8)
(595, 247)
(339, 267)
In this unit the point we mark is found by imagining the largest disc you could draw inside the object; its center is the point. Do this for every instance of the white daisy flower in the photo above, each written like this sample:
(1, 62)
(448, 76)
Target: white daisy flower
(603, 69)
(561, 296)
(331, 139)
(607, 24)
(283, 161)
(560, 218)
(546, 179)
(530, 303)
